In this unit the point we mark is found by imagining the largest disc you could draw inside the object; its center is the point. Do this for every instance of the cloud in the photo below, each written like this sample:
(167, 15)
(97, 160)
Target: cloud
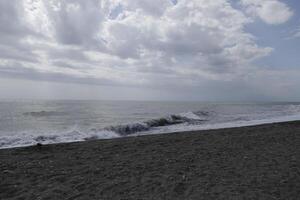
(270, 11)
(296, 33)
(12, 32)
(129, 42)
(17, 70)
(11, 20)
(75, 22)
(192, 37)
(154, 8)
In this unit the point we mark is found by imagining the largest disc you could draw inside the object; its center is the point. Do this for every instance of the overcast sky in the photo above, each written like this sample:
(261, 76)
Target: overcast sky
(221, 50)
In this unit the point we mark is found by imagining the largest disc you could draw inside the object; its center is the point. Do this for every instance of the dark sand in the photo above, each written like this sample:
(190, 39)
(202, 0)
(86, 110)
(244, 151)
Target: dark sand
(259, 162)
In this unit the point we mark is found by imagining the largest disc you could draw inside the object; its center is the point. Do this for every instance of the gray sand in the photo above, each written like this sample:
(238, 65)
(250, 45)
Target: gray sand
(259, 162)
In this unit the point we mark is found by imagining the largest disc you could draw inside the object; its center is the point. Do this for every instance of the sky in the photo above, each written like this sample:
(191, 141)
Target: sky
(185, 50)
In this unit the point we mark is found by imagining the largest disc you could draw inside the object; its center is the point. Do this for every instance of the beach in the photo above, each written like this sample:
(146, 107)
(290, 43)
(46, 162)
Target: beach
(255, 162)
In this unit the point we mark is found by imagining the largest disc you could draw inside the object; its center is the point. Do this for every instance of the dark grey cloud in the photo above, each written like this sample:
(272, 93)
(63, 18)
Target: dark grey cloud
(193, 40)
(65, 64)
(67, 54)
(12, 30)
(15, 53)
(17, 70)
(11, 21)
(76, 22)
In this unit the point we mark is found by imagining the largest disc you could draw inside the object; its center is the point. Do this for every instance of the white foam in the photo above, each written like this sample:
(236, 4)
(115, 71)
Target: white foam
(25, 139)
(191, 116)
(235, 124)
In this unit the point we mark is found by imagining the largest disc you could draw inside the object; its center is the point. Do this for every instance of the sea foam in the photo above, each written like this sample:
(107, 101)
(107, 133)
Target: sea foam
(54, 125)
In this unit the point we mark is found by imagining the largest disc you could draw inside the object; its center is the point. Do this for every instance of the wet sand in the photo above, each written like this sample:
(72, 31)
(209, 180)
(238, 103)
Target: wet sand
(258, 162)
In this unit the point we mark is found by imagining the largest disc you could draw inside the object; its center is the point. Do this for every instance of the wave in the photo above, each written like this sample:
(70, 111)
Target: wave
(221, 125)
(26, 139)
(188, 121)
(128, 129)
(43, 113)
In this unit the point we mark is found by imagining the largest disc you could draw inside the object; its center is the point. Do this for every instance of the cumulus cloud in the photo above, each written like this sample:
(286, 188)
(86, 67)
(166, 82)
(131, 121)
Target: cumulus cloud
(270, 11)
(132, 42)
(191, 37)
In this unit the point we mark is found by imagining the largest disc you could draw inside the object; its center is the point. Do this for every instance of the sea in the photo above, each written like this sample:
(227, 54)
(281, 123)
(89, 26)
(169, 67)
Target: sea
(28, 122)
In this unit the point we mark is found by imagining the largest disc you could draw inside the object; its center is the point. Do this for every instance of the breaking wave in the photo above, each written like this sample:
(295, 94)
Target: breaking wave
(128, 129)
(27, 139)
(188, 121)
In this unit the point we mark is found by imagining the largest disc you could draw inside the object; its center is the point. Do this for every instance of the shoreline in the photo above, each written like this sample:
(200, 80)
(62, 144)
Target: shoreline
(203, 127)
(251, 162)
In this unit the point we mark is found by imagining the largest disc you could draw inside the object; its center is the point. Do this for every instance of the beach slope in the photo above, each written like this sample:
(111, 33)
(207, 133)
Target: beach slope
(257, 162)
